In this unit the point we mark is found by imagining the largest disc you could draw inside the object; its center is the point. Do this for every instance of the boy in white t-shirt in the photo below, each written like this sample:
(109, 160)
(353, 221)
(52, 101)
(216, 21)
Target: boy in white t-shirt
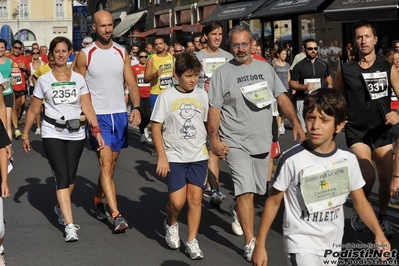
(179, 136)
(315, 178)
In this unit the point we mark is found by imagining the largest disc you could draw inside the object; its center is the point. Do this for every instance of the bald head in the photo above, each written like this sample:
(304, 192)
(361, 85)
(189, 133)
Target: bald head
(101, 15)
(103, 25)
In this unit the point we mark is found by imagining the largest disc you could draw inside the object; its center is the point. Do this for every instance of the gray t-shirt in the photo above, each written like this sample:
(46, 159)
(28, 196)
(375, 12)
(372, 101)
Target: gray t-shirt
(242, 124)
(201, 55)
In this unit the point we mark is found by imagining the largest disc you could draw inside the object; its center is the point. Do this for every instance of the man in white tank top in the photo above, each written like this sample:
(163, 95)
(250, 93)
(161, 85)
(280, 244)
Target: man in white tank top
(107, 94)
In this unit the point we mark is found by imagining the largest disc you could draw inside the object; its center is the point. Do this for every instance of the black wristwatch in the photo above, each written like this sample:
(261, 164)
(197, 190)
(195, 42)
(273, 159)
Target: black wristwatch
(136, 108)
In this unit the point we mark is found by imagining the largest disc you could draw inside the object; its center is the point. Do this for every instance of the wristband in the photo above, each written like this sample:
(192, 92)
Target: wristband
(136, 108)
(94, 130)
(24, 137)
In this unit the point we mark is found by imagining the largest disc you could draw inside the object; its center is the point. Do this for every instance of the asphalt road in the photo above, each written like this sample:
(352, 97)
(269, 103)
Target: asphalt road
(34, 237)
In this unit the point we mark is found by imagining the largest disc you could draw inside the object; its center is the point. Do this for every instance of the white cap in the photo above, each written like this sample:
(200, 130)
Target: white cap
(87, 40)
(320, 41)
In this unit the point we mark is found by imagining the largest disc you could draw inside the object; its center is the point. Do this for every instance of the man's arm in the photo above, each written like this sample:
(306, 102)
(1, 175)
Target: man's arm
(289, 112)
(135, 116)
(80, 64)
(148, 75)
(329, 81)
(338, 83)
(219, 148)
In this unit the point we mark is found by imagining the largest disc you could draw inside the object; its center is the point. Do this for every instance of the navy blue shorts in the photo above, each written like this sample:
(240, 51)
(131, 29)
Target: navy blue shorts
(182, 173)
(114, 131)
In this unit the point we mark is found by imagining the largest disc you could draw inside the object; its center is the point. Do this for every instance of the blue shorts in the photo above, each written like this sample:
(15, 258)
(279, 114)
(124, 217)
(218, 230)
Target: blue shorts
(182, 173)
(114, 131)
(153, 99)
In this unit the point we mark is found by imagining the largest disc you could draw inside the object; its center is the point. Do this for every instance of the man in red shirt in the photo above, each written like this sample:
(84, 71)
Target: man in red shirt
(145, 105)
(20, 70)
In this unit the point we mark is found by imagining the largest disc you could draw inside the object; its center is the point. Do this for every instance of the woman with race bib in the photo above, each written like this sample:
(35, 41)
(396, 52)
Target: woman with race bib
(67, 105)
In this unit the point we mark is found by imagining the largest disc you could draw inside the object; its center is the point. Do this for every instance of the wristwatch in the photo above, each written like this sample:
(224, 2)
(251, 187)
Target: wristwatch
(136, 108)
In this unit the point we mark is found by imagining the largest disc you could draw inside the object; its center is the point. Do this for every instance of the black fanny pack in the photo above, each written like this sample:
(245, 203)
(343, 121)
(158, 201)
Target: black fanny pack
(71, 125)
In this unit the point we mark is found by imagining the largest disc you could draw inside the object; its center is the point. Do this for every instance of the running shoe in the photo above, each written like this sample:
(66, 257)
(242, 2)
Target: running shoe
(57, 211)
(17, 134)
(281, 129)
(356, 222)
(215, 200)
(207, 192)
(37, 132)
(249, 249)
(100, 212)
(143, 139)
(235, 224)
(386, 227)
(120, 224)
(172, 235)
(70, 232)
(222, 195)
(146, 132)
(193, 250)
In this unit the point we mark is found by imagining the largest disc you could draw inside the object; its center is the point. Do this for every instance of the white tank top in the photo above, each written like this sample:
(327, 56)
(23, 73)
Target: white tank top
(104, 77)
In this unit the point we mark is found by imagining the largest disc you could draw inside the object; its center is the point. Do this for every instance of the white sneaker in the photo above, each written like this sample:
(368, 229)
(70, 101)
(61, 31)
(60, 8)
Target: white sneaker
(143, 139)
(235, 224)
(193, 250)
(146, 132)
(57, 211)
(249, 249)
(70, 232)
(172, 235)
(37, 132)
(281, 129)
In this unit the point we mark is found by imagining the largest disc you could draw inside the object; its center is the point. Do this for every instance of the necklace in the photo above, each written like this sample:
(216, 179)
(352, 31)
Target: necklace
(368, 61)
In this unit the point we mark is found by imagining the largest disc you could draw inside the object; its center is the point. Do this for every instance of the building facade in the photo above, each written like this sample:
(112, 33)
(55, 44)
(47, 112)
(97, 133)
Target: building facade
(38, 20)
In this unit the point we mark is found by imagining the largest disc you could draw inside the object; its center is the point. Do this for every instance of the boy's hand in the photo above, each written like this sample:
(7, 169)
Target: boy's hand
(259, 256)
(220, 149)
(383, 244)
(5, 191)
(163, 167)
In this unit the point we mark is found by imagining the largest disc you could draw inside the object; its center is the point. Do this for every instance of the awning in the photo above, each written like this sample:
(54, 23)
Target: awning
(240, 10)
(275, 8)
(143, 34)
(351, 10)
(127, 23)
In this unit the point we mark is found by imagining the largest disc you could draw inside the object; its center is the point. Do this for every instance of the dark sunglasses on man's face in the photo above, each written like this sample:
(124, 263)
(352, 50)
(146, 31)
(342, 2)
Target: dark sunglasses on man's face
(142, 56)
(35, 53)
(17, 47)
(312, 48)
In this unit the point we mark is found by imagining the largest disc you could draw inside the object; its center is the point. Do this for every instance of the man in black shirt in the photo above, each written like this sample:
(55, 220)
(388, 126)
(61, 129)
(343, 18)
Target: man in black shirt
(311, 73)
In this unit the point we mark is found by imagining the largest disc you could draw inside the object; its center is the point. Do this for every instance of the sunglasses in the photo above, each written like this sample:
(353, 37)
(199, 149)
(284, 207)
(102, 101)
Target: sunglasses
(17, 47)
(312, 48)
(178, 51)
(35, 53)
(142, 56)
(87, 43)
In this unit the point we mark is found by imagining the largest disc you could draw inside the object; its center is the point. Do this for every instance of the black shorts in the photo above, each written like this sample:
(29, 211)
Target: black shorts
(374, 138)
(9, 100)
(20, 93)
(31, 88)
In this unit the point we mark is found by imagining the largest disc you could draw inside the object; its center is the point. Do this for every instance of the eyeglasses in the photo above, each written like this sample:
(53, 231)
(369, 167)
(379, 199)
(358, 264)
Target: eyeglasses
(17, 47)
(142, 56)
(178, 51)
(237, 45)
(311, 48)
(35, 53)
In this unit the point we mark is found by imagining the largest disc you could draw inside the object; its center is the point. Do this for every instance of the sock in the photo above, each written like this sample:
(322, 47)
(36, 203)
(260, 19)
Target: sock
(115, 214)
(97, 200)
